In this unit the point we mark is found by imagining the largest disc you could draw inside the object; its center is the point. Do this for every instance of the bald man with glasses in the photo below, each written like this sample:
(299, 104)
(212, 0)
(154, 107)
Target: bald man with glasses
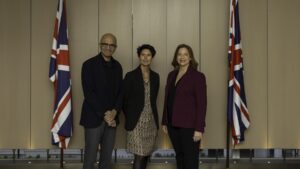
(101, 78)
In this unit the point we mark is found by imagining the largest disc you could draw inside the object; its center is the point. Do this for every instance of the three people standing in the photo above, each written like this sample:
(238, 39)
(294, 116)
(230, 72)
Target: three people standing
(105, 94)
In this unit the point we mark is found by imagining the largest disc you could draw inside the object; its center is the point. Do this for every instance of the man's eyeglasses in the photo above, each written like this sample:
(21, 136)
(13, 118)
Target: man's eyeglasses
(106, 45)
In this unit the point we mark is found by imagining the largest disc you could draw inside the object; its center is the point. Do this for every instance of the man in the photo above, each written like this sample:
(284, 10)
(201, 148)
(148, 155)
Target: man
(101, 78)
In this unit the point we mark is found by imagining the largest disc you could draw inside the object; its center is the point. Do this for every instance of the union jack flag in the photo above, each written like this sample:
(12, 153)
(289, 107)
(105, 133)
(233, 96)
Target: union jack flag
(237, 111)
(59, 74)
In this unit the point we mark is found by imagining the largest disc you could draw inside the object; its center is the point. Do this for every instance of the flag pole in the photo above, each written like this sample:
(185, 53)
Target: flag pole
(61, 158)
(227, 144)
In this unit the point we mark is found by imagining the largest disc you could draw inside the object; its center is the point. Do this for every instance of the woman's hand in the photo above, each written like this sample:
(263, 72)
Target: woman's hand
(165, 129)
(197, 136)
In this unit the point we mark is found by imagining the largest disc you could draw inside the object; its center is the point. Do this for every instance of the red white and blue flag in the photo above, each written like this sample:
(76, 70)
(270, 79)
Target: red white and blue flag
(59, 74)
(237, 111)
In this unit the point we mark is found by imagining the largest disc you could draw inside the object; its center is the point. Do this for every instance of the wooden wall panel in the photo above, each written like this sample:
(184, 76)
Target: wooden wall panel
(15, 73)
(283, 74)
(42, 92)
(255, 44)
(149, 26)
(115, 17)
(183, 26)
(214, 42)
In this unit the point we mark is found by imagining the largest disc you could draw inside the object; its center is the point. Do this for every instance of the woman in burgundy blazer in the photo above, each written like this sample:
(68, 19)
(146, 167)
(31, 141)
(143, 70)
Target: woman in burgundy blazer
(185, 107)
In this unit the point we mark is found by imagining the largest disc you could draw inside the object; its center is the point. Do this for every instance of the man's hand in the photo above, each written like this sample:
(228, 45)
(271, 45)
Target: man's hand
(109, 116)
(112, 124)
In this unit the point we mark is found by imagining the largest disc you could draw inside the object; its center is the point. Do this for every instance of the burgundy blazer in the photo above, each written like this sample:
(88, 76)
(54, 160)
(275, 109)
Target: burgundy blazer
(189, 108)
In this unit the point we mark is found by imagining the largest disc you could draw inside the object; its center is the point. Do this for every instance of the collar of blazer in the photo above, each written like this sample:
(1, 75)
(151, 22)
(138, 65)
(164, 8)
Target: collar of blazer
(138, 72)
(187, 73)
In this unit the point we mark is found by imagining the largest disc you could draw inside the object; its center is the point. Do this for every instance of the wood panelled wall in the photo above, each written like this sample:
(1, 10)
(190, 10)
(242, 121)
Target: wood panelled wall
(270, 37)
(15, 74)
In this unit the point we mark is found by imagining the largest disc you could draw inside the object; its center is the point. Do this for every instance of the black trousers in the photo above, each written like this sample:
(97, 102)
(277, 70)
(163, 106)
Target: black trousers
(103, 135)
(187, 151)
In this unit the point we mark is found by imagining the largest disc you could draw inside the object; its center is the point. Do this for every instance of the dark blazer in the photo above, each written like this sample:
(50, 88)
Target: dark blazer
(134, 96)
(189, 107)
(94, 90)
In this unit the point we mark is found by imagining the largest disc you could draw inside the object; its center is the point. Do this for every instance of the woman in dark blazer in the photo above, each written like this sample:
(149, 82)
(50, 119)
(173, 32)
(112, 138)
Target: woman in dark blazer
(185, 107)
(140, 93)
